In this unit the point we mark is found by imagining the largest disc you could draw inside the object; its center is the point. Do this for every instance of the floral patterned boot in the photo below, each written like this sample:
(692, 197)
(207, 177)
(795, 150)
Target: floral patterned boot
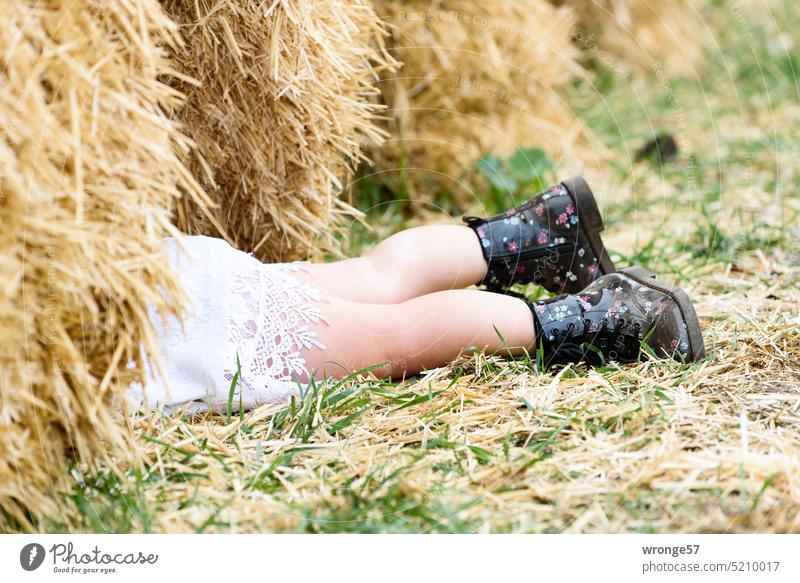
(614, 316)
(552, 240)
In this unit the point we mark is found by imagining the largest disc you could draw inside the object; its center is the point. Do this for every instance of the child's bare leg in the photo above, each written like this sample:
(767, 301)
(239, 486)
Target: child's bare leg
(408, 264)
(421, 333)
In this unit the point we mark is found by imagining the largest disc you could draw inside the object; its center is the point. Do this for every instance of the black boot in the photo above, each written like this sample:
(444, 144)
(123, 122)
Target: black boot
(613, 316)
(552, 240)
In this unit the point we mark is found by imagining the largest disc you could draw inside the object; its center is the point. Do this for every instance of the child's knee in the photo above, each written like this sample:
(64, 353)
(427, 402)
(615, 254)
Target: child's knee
(387, 277)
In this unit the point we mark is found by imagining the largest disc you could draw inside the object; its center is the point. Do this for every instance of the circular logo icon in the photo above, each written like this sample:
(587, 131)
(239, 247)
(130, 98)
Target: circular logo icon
(31, 556)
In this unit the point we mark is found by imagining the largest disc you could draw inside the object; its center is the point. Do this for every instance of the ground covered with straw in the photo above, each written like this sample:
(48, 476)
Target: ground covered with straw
(490, 444)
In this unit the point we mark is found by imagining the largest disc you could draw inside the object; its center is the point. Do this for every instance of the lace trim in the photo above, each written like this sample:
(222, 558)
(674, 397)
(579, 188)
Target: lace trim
(270, 315)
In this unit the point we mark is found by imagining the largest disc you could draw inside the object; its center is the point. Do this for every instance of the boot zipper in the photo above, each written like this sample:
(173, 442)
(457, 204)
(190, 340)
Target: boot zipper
(538, 252)
(471, 220)
(525, 254)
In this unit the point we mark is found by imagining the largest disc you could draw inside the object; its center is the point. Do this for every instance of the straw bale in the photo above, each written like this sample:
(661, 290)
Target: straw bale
(476, 78)
(283, 101)
(88, 175)
(633, 36)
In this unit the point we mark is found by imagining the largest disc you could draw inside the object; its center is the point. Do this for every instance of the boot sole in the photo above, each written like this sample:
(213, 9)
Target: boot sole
(680, 297)
(590, 219)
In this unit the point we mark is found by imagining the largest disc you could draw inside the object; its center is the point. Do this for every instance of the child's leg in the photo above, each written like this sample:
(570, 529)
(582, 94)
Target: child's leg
(408, 264)
(421, 333)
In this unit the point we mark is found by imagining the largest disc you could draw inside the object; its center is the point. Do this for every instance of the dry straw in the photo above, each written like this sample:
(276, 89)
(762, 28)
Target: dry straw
(656, 446)
(477, 77)
(88, 174)
(633, 36)
(282, 101)
(488, 444)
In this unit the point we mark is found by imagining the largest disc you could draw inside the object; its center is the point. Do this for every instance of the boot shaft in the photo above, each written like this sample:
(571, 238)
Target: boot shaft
(552, 240)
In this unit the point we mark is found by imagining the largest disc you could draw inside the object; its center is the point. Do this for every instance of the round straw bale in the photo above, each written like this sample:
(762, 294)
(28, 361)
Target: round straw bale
(633, 36)
(88, 176)
(283, 99)
(477, 77)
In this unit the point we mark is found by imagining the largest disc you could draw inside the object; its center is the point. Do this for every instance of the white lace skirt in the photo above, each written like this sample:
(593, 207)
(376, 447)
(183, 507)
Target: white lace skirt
(244, 317)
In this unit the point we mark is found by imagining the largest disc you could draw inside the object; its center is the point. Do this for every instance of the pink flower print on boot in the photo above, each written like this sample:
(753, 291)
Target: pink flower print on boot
(617, 324)
(526, 234)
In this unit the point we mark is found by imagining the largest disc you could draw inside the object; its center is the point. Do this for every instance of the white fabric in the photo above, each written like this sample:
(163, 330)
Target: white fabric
(239, 307)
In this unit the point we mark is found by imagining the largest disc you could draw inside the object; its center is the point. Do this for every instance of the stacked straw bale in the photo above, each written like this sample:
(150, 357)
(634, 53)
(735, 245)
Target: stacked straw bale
(477, 77)
(88, 175)
(633, 36)
(283, 102)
